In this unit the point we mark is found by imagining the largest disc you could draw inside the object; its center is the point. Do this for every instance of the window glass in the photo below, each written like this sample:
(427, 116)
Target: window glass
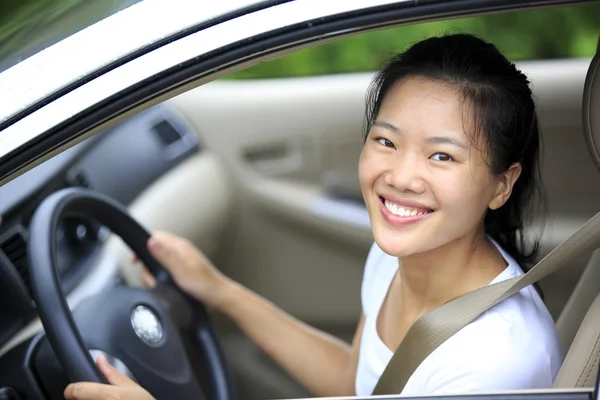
(28, 27)
(546, 33)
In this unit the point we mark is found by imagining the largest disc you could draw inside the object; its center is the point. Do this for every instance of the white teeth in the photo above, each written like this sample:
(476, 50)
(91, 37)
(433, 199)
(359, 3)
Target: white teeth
(403, 211)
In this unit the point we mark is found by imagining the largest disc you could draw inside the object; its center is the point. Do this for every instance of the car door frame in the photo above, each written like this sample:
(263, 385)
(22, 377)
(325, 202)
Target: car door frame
(60, 119)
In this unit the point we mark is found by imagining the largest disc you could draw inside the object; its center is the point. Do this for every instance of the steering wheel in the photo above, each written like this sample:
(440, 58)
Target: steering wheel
(130, 325)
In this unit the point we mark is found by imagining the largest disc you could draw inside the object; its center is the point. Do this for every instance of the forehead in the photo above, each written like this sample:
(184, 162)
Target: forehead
(420, 100)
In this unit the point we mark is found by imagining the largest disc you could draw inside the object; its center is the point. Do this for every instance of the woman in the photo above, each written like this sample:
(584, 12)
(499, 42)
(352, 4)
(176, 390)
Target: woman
(448, 171)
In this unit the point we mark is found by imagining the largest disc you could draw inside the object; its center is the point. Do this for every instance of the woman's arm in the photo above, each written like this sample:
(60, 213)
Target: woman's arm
(322, 363)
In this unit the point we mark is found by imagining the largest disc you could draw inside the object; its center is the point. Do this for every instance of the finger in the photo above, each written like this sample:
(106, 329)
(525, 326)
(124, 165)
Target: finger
(134, 259)
(161, 247)
(113, 376)
(147, 279)
(89, 391)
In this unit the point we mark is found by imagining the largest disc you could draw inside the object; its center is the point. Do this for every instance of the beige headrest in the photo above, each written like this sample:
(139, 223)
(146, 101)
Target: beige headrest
(591, 108)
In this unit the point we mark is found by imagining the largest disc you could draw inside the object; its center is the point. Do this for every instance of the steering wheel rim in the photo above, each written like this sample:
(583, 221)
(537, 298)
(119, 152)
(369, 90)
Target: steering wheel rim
(54, 312)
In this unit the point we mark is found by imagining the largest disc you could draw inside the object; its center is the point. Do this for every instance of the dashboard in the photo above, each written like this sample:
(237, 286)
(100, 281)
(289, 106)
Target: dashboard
(120, 163)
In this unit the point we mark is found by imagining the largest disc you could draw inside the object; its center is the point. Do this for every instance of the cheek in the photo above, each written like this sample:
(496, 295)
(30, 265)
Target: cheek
(367, 168)
(463, 194)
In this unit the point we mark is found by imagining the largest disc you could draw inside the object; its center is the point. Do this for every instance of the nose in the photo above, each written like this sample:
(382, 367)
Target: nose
(405, 173)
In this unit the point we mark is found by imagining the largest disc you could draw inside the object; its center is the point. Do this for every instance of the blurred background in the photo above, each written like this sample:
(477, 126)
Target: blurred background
(27, 27)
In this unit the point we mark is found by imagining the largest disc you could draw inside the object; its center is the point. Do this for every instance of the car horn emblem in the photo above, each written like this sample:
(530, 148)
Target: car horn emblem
(146, 325)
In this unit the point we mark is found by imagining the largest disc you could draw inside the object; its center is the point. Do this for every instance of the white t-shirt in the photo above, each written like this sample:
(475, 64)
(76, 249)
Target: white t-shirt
(514, 345)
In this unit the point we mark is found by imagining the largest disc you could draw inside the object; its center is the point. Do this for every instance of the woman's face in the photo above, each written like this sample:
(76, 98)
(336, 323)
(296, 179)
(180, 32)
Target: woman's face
(423, 182)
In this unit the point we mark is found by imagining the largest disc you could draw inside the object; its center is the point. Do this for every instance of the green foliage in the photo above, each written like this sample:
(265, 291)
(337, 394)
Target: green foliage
(546, 33)
(18, 18)
(27, 26)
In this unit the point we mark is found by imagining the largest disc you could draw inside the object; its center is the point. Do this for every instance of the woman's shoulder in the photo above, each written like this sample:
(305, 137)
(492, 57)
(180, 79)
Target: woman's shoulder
(494, 352)
(524, 310)
(515, 341)
(480, 359)
(519, 324)
(523, 317)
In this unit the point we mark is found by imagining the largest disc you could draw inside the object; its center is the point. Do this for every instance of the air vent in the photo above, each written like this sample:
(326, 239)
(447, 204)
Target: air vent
(15, 249)
(167, 133)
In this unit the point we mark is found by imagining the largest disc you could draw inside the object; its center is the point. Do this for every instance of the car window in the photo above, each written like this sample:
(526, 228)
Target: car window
(545, 33)
(27, 27)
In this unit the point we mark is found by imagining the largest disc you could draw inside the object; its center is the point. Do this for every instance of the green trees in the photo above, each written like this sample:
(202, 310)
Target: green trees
(29, 26)
(545, 33)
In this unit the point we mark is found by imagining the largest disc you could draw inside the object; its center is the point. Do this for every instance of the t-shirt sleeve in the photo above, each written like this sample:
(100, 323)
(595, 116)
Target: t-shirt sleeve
(373, 258)
(499, 366)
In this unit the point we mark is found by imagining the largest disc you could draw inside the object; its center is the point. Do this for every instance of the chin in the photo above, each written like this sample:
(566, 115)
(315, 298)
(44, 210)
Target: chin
(396, 244)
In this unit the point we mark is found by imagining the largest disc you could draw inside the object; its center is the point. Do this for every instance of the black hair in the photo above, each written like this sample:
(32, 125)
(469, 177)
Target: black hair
(501, 111)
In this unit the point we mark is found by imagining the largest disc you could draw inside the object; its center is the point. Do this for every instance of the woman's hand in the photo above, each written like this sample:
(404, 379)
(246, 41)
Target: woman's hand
(121, 387)
(188, 266)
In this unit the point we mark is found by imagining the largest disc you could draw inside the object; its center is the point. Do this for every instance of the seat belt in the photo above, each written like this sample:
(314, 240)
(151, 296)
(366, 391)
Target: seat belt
(437, 326)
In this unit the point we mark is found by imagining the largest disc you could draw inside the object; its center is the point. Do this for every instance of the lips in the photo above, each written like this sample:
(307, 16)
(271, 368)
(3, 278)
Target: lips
(400, 212)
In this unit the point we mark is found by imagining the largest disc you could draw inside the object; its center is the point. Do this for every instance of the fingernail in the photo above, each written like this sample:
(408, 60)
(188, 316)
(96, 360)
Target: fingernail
(154, 244)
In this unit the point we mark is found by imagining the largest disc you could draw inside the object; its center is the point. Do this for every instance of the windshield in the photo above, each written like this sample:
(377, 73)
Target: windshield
(27, 27)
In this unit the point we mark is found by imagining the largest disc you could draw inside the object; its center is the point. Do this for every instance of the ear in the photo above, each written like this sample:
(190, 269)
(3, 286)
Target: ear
(505, 185)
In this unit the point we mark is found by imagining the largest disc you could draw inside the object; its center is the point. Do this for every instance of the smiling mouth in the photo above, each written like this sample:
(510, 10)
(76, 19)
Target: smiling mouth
(404, 211)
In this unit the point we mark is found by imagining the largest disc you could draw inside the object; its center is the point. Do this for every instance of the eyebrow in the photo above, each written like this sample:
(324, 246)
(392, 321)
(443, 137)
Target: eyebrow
(447, 140)
(434, 139)
(386, 125)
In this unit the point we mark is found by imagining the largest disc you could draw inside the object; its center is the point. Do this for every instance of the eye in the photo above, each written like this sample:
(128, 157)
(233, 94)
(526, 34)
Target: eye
(385, 142)
(441, 157)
